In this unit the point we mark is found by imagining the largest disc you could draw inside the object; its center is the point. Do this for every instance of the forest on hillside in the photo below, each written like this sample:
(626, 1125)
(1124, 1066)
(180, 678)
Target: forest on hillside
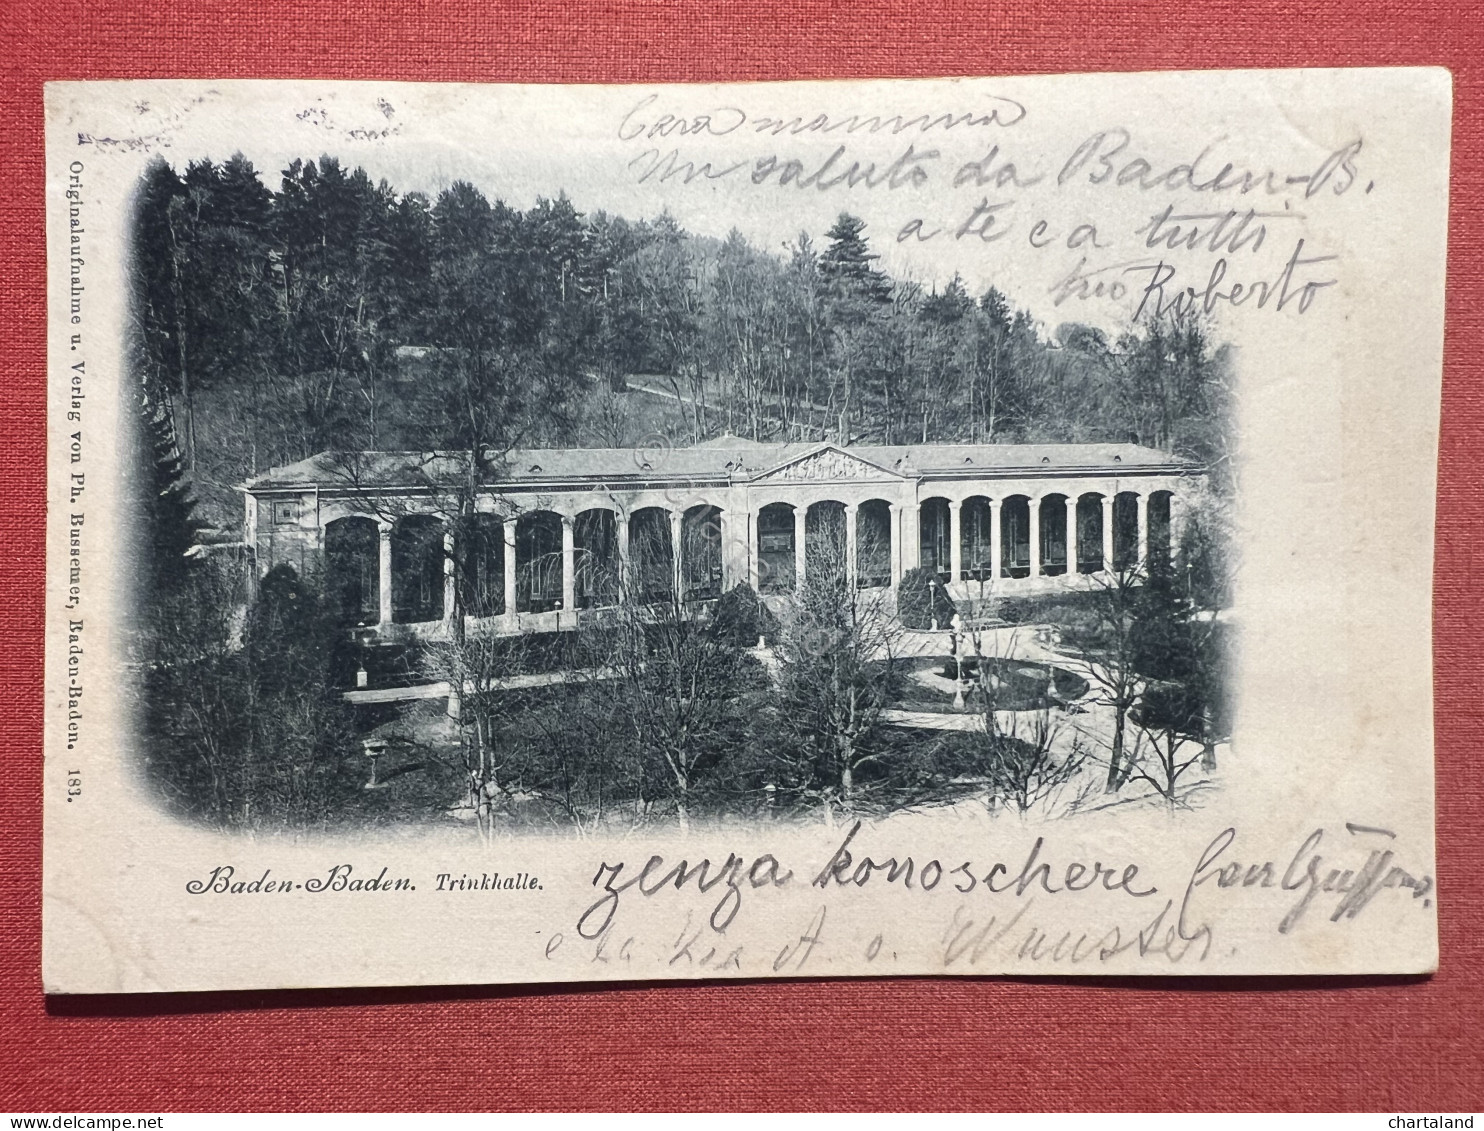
(333, 312)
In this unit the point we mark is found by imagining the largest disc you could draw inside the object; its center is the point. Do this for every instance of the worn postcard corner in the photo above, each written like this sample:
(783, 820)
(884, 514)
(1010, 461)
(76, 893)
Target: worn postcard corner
(541, 533)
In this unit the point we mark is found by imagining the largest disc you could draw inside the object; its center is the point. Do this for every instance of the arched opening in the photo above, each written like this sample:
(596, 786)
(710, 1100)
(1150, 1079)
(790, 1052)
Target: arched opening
(1090, 533)
(353, 566)
(975, 541)
(1015, 537)
(775, 548)
(538, 562)
(824, 541)
(595, 558)
(651, 555)
(1125, 530)
(701, 553)
(873, 544)
(481, 548)
(1159, 528)
(935, 533)
(1054, 547)
(417, 569)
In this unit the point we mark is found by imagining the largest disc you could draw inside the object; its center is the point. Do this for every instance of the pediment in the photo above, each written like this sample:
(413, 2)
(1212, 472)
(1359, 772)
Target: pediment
(829, 464)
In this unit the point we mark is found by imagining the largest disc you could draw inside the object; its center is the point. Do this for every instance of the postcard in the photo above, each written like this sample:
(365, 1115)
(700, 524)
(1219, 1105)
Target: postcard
(509, 534)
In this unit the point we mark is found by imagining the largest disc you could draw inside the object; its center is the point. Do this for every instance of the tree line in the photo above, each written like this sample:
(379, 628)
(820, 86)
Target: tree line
(333, 312)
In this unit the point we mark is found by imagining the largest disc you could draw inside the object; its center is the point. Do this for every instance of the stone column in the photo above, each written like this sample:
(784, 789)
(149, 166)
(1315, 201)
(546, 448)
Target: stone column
(569, 563)
(384, 579)
(450, 578)
(728, 566)
(754, 573)
(677, 571)
(507, 530)
(955, 541)
(800, 519)
(894, 532)
(1143, 499)
(996, 542)
(850, 549)
(911, 536)
(1177, 527)
(1107, 533)
(621, 529)
(1035, 537)
(1071, 534)
(260, 564)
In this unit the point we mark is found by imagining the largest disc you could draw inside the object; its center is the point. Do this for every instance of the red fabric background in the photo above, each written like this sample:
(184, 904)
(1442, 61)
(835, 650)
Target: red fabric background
(1394, 1044)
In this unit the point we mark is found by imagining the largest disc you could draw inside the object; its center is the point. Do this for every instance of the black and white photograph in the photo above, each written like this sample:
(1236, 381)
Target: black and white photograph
(557, 518)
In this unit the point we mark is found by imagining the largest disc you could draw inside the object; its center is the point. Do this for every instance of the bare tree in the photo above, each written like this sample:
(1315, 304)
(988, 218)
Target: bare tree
(478, 666)
(1023, 765)
(1105, 644)
(1021, 758)
(608, 418)
(1166, 720)
(663, 682)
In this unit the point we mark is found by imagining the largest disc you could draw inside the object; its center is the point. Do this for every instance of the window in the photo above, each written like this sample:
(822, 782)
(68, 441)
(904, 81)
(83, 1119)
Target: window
(285, 513)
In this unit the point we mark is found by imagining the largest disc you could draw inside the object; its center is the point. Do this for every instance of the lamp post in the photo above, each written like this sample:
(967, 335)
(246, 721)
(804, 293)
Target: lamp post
(363, 636)
(958, 666)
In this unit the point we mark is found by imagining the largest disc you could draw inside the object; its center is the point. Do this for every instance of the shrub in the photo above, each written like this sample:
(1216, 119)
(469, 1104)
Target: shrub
(741, 617)
(921, 599)
(1066, 609)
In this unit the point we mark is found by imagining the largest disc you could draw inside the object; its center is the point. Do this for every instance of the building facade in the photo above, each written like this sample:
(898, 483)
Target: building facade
(550, 533)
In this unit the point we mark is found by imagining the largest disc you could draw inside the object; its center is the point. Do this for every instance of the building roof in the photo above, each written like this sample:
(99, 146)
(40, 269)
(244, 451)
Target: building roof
(726, 458)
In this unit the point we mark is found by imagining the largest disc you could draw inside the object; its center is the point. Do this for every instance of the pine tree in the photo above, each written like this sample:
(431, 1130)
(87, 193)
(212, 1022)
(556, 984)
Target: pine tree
(847, 263)
(151, 270)
(167, 520)
(857, 294)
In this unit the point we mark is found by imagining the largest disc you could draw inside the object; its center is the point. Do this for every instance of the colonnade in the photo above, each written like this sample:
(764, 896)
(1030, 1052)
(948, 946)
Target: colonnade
(700, 551)
(1086, 538)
